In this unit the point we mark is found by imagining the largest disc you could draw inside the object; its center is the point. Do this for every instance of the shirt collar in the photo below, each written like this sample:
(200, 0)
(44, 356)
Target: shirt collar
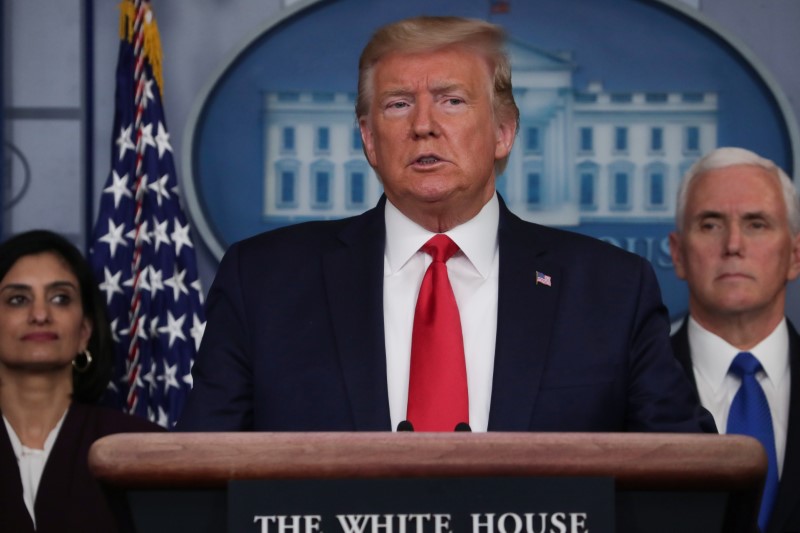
(19, 448)
(477, 238)
(712, 355)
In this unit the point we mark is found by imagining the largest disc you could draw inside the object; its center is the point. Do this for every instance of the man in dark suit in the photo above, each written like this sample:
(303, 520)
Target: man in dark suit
(737, 245)
(313, 326)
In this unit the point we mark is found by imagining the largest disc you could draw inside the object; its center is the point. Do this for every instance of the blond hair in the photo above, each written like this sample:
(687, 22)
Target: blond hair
(428, 34)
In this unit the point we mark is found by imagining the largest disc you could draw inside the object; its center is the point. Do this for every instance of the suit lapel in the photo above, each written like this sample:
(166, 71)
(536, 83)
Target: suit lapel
(59, 472)
(788, 500)
(680, 347)
(13, 513)
(526, 311)
(354, 287)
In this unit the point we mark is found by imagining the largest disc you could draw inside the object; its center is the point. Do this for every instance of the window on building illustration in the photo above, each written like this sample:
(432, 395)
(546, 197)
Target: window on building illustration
(656, 98)
(356, 174)
(287, 188)
(656, 186)
(321, 194)
(692, 140)
(621, 193)
(656, 189)
(621, 139)
(587, 192)
(621, 98)
(693, 97)
(534, 186)
(323, 97)
(620, 174)
(356, 141)
(286, 176)
(586, 140)
(657, 140)
(287, 139)
(587, 173)
(322, 188)
(323, 139)
(357, 197)
(533, 141)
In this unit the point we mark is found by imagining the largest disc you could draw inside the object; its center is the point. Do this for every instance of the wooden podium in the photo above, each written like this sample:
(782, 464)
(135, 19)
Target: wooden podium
(177, 482)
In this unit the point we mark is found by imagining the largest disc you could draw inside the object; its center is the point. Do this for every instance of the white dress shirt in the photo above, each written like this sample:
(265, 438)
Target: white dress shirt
(712, 357)
(473, 273)
(31, 462)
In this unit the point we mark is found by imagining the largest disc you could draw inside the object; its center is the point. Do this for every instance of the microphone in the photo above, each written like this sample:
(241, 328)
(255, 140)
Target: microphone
(463, 426)
(405, 425)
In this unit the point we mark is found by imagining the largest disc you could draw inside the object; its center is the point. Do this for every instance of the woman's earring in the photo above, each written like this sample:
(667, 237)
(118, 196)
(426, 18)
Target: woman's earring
(82, 361)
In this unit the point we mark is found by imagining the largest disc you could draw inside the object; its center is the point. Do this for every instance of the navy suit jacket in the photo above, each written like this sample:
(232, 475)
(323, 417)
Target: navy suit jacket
(786, 512)
(295, 336)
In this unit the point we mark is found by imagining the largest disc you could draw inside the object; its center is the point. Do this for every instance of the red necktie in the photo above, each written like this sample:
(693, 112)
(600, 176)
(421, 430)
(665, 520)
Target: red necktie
(437, 388)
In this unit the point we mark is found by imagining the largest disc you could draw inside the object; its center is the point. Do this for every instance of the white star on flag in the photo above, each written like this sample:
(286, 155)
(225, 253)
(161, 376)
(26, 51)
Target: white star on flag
(197, 331)
(177, 284)
(169, 377)
(180, 236)
(141, 233)
(160, 187)
(114, 237)
(160, 233)
(110, 284)
(124, 141)
(174, 327)
(147, 136)
(162, 140)
(119, 188)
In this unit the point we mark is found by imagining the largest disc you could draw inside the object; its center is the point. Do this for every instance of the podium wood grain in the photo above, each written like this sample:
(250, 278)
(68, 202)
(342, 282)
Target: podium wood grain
(636, 460)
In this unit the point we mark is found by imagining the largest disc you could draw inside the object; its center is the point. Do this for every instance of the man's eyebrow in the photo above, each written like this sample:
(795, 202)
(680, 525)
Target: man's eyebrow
(752, 215)
(436, 88)
(395, 92)
(708, 214)
(445, 87)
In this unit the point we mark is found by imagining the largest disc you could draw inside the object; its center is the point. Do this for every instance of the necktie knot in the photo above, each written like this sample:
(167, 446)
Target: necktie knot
(744, 364)
(440, 247)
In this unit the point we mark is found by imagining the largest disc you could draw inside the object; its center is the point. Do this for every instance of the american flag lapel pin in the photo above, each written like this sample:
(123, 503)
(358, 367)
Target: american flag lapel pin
(544, 279)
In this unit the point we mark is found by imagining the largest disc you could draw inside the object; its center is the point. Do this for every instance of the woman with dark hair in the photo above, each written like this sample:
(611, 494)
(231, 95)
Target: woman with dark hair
(55, 363)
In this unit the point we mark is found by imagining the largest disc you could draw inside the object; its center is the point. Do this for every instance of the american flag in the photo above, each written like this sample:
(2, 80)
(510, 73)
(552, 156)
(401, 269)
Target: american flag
(142, 253)
(544, 279)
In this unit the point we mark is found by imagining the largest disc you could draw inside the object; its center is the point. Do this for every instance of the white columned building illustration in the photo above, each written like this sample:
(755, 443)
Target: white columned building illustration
(581, 155)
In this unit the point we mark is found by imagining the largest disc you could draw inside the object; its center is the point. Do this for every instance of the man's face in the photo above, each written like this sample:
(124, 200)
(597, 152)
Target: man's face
(736, 251)
(431, 134)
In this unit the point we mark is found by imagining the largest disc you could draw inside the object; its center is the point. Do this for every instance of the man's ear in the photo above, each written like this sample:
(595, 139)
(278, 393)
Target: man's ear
(367, 139)
(676, 254)
(506, 131)
(794, 267)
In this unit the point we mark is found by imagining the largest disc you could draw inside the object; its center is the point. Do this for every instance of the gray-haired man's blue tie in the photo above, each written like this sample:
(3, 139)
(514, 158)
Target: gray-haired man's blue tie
(750, 415)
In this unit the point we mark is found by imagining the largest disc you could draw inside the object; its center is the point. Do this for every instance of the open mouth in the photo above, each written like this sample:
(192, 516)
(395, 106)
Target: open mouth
(427, 160)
